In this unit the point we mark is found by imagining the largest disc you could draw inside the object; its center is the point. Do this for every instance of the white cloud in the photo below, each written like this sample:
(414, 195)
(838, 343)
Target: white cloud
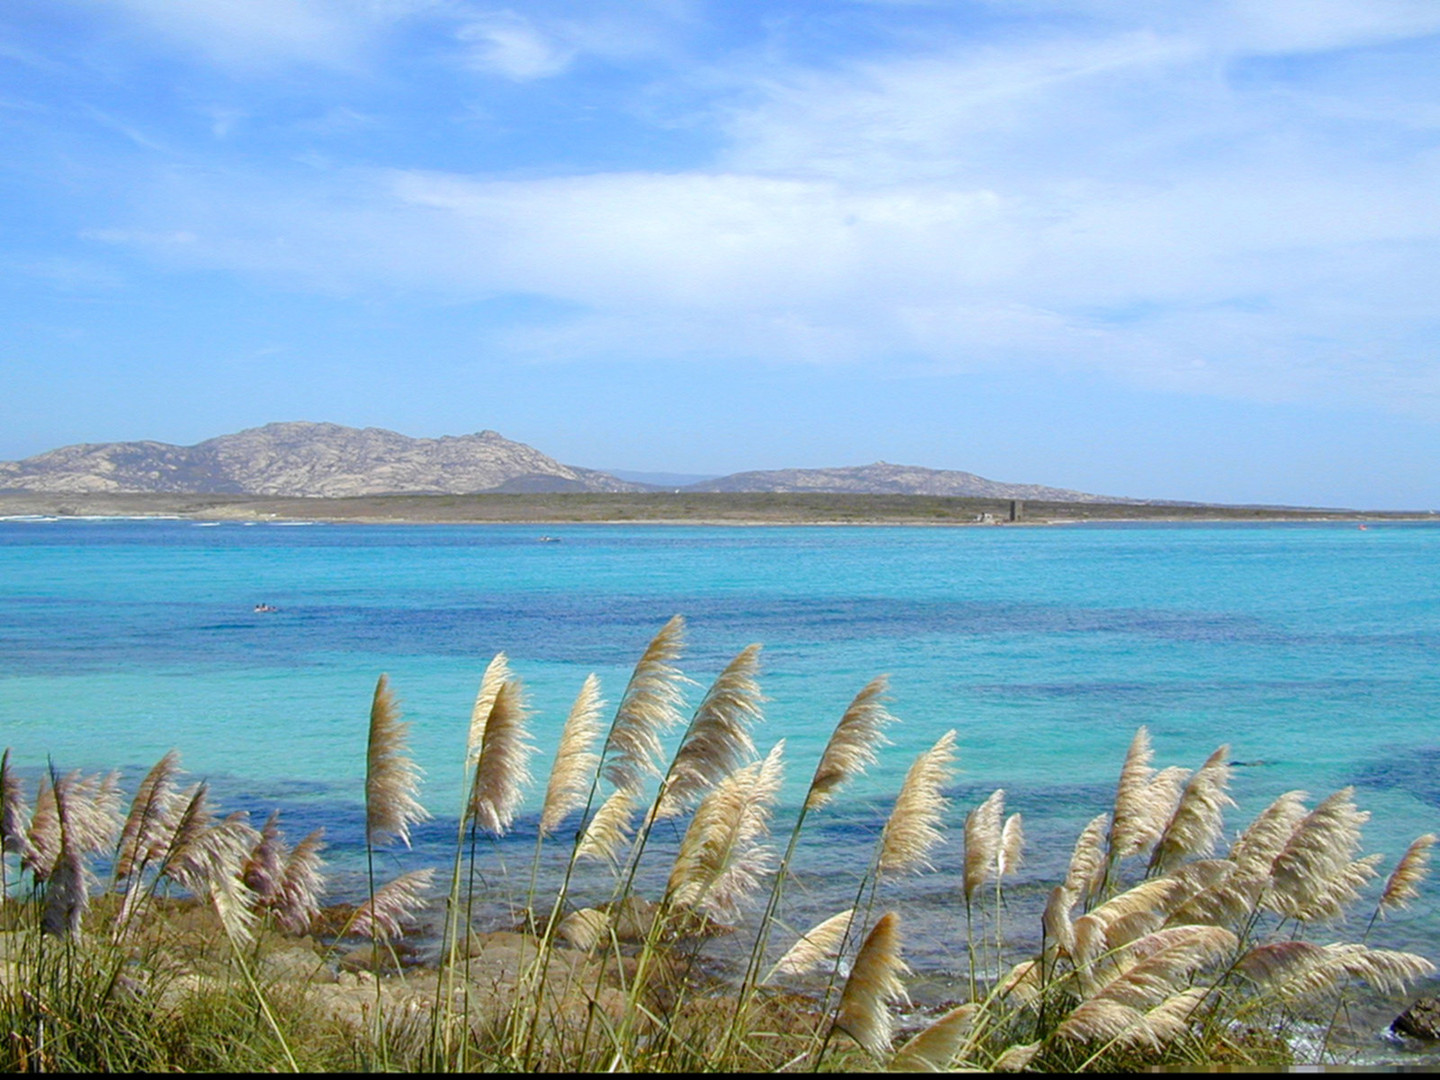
(257, 33)
(508, 44)
(1107, 199)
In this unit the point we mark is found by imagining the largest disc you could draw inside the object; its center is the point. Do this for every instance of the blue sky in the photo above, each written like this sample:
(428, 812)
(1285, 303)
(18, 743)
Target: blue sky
(1172, 249)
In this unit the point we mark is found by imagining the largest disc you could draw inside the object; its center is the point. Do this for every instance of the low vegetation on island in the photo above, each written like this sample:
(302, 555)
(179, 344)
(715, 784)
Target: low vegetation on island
(164, 936)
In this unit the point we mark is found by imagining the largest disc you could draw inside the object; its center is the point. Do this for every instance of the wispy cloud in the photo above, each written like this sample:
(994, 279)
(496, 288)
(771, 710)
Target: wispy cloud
(1204, 197)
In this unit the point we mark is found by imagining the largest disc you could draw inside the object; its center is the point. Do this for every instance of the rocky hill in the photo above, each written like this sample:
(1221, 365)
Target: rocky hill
(305, 460)
(300, 460)
(883, 478)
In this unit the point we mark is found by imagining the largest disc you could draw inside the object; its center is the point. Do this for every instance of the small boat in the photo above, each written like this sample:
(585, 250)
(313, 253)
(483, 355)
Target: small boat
(549, 540)
(261, 609)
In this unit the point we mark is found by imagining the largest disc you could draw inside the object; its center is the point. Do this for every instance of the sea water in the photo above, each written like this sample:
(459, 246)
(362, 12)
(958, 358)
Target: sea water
(1311, 649)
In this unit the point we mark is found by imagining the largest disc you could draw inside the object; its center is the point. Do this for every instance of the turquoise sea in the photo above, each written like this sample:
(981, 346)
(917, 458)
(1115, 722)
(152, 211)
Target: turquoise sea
(1311, 649)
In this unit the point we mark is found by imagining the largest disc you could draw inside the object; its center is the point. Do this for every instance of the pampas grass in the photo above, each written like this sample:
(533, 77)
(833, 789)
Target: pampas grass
(649, 708)
(1087, 861)
(497, 674)
(392, 779)
(934, 1048)
(148, 813)
(721, 862)
(718, 740)
(982, 842)
(609, 829)
(265, 865)
(1163, 970)
(1012, 847)
(913, 828)
(1255, 849)
(874, 983)
(1198, 820)
(575, 759)
(384, 914)
(853, 744)
(302, 885)
(502, 765)
(1403, 884)
(819, 945)
(1313, 876)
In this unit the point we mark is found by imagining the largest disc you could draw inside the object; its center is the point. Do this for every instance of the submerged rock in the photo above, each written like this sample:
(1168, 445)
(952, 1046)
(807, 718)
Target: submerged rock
(1420, 1021)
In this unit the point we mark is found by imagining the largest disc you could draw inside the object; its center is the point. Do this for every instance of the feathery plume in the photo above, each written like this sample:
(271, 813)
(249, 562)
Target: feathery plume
(1154, 967)
(1087, 861)
(497, 674)
(393, 905)
(820, 944)
(914, 825)
(1389, 971)
(1131, 818)
(983, 826)
(1140, 910)
(265, 865)
(1333, 896)
(13, 810)
(301, 885)
(235, 905)
(649, 708)
(147, 813)
(1171, 1018)
(584, 928)
(1229, 900)
(1055, 922)
(575, 760)
(1016, 1058)
(1264, 837)
(934, 1048)
(92, 804)
(392, 779)
(1021, 984)
(1402, 885)
(853, 743)
(1291, 971)
(188, 824)
(502, 766)
(1103, 1020)
(718, 740)
(1144, 800)
(609, 829)
(208, 858)
(1198, 819)
(720, 862)
(43, 843)
(1012, 846)
(1312, 876)
(67, 896)
(874, 982)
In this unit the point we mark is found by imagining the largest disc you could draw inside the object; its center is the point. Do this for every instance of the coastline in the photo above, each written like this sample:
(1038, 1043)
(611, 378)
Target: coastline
(657, 508)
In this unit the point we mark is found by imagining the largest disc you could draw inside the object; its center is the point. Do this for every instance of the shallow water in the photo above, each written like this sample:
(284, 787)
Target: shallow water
(1311, 649)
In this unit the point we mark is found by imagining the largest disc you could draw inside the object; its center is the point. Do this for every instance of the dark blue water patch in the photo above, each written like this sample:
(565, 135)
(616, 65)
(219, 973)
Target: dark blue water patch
(1169, 695)
(1414, 770)
(64, 637)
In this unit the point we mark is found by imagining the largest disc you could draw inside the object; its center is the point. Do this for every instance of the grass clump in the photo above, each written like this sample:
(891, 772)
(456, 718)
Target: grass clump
(169, 937)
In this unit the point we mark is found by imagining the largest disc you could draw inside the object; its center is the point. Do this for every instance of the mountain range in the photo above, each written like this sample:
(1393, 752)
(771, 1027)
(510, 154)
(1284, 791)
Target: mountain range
(301, 459)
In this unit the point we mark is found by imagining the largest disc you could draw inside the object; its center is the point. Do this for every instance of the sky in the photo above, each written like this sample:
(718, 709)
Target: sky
(1169, 249)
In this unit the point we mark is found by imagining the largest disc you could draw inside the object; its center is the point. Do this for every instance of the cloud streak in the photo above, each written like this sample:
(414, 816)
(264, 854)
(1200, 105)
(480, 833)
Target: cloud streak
(1183, 196)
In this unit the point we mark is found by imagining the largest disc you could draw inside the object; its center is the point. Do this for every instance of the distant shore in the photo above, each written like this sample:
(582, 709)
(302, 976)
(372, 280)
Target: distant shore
(764, 508)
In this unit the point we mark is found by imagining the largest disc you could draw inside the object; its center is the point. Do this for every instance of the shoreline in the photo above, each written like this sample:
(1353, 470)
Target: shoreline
(707, 510)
